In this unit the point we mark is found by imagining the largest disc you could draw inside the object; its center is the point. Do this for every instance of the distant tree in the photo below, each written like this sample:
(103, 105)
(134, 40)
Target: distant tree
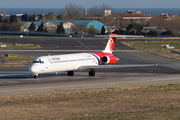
(15, 26)
(78, 29)
(24, 17)
(6, 21)
(5, 27)
(168, 32)
(60, 28)
(121, 32)
(34, 17)
(30, 18)
(92, 30)
(1, 18)
(72, 12)
(99, 9)
(152, 33)
(132, 33)
(102, 30)
(32, 27)
(41, 17)
(42, 28)
(51, 16)
(138, 27)
(13, 18)
(59, 17)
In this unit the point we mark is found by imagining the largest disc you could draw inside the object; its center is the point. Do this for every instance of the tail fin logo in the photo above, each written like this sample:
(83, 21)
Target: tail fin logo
(111, 44)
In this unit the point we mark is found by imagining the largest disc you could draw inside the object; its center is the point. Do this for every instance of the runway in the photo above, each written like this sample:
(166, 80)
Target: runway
(19, 80)
(21, 83)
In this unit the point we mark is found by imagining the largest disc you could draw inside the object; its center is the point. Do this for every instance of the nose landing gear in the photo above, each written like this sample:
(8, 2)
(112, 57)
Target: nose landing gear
(35, 76)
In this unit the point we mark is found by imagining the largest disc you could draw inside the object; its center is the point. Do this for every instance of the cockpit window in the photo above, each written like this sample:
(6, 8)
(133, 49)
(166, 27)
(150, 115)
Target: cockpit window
(35, 61)
(38, 61)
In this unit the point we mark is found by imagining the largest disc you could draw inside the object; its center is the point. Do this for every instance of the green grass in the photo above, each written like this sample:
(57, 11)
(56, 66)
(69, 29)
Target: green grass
(152, 44)
(155, 47)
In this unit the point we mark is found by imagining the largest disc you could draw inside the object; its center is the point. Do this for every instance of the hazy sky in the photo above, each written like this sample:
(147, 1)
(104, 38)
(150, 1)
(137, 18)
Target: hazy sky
(90, 3)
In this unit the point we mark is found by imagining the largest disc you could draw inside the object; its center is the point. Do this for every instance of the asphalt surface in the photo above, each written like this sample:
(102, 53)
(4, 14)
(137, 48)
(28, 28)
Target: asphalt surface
(19, 80)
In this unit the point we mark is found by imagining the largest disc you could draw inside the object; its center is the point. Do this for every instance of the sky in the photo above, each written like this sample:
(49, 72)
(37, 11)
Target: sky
(90, 3)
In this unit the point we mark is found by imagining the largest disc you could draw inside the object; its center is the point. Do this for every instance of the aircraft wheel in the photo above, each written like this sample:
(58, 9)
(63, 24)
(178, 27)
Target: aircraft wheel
(70, 73)
(35, 76)
(92, 72)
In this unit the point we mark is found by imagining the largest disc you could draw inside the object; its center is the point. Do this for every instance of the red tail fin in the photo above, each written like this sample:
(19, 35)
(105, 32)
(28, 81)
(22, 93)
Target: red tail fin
(110, 44)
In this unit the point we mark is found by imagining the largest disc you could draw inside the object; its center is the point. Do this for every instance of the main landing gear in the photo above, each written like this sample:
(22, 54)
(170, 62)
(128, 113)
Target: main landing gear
(35, 76)
(92, 72)
(70, 73)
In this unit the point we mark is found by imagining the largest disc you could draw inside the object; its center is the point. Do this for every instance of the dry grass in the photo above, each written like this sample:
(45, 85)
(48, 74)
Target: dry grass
(155, 47)
(158, 102)
(15, 61)
(11, 46)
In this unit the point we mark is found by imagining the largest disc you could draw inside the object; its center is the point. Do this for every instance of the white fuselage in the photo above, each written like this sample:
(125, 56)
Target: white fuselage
(66, 62)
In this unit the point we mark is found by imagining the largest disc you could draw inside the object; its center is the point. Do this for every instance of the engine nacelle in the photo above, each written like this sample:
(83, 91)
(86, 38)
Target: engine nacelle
(109, 59)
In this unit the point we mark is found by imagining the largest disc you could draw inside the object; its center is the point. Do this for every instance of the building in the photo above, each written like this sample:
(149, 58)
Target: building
(131, 16)
(165, 16)
(97, 25)
(51, 25)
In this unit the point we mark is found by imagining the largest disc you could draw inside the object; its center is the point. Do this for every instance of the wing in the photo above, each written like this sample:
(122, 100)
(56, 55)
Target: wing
(26, 63)
(115, 66)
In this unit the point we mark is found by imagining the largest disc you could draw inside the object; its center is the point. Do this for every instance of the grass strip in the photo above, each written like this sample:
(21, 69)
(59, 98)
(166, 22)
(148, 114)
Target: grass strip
(14, 46)
(131, 102)
(15, 61)
(155, 47)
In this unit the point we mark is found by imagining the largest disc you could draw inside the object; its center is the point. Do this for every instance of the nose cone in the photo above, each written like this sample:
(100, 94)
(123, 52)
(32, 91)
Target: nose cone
(33, 69)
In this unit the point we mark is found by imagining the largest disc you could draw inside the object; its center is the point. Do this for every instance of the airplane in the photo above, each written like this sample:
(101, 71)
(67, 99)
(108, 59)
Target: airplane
(80, 61)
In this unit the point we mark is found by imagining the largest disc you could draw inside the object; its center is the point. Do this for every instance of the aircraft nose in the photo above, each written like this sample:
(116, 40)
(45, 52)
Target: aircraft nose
(33, 69)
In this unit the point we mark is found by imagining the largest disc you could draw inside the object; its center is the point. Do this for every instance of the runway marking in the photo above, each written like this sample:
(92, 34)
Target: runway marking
(85, 45)
(88, 85)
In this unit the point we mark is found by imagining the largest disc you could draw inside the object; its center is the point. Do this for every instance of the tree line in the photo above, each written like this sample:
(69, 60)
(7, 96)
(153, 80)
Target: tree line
(75, 12)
